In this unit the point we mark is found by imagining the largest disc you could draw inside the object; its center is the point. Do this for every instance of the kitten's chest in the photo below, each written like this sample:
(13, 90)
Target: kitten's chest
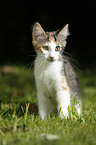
(48, 75)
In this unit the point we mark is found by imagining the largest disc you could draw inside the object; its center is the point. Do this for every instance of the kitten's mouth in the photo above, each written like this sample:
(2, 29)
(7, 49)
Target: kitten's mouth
(51, 59)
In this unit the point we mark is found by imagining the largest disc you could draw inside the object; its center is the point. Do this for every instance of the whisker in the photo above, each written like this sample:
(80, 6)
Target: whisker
(27, 50)
(67, 53)
(34, 55)
(37, 60)
(31, 55)
(71, 64)
(41, 62)
(28, 65)
(45, 62)
(31, 65)
(69, 58)
(32, 62)
(68, 45)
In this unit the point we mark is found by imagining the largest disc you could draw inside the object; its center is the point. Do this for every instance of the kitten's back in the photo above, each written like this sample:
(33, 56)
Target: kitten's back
(72, 80)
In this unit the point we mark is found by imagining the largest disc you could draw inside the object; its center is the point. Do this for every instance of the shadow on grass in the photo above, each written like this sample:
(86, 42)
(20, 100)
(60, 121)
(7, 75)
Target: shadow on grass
(19, 109)
(14, 111)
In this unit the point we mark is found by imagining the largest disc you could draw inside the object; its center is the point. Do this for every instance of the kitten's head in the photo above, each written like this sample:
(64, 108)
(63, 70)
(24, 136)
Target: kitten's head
(49, 44)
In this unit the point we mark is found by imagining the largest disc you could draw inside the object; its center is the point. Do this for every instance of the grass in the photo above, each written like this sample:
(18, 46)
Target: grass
(20, 126)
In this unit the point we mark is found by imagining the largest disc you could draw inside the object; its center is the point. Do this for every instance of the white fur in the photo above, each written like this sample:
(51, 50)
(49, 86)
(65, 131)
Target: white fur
(49, 90)
(51, 52)
(48, 73)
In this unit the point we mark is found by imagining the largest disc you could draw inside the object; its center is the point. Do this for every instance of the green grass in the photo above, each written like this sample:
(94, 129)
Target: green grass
(19, 127)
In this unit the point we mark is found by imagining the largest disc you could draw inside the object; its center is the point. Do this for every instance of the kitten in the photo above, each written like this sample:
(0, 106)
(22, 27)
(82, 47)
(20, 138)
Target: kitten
(56, 81)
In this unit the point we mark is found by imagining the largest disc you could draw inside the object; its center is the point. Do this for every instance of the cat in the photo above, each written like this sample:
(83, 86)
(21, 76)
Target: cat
(56, 81)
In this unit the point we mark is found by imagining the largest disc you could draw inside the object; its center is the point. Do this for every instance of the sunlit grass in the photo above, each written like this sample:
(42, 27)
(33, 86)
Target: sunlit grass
(20, 126)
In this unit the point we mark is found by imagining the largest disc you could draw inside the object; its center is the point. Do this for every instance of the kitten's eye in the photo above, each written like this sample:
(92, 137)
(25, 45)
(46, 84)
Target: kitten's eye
(45, 47)
(57, 48)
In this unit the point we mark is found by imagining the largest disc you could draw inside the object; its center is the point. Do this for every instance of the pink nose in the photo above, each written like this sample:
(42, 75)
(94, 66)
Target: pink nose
(51, 57)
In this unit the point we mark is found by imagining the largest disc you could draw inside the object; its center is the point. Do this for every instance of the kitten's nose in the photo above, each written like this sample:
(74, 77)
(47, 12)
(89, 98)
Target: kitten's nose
(51, 57)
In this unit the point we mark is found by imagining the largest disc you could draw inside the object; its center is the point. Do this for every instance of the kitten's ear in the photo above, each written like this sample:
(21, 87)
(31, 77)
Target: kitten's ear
(38, 33)
(63, 34)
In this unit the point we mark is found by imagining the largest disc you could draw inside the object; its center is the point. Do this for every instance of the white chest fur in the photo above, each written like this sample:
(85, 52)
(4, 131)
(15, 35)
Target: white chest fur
(48, 75)
(50, 94)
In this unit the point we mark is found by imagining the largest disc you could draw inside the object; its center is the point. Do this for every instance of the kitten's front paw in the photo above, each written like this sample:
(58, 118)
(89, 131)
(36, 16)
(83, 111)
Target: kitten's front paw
(43, 115)
(64, 114)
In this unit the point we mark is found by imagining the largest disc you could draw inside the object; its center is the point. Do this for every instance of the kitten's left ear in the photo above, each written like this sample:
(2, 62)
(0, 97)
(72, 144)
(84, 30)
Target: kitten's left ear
(62, 36)
(38, 33)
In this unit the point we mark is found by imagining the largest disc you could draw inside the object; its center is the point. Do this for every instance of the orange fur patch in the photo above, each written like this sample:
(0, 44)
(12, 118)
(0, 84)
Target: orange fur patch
(36, 46)
(64, 84)
(51, 38)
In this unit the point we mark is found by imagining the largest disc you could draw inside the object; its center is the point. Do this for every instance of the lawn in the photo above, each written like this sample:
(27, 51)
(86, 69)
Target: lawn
(20, 123)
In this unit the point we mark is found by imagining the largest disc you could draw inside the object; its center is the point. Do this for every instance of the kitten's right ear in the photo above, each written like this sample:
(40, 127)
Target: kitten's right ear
(62, 36)
(38, 33)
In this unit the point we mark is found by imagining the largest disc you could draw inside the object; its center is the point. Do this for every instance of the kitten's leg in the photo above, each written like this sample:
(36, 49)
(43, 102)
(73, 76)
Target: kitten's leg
(42, 105)
(63, 99)
(79, 108)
